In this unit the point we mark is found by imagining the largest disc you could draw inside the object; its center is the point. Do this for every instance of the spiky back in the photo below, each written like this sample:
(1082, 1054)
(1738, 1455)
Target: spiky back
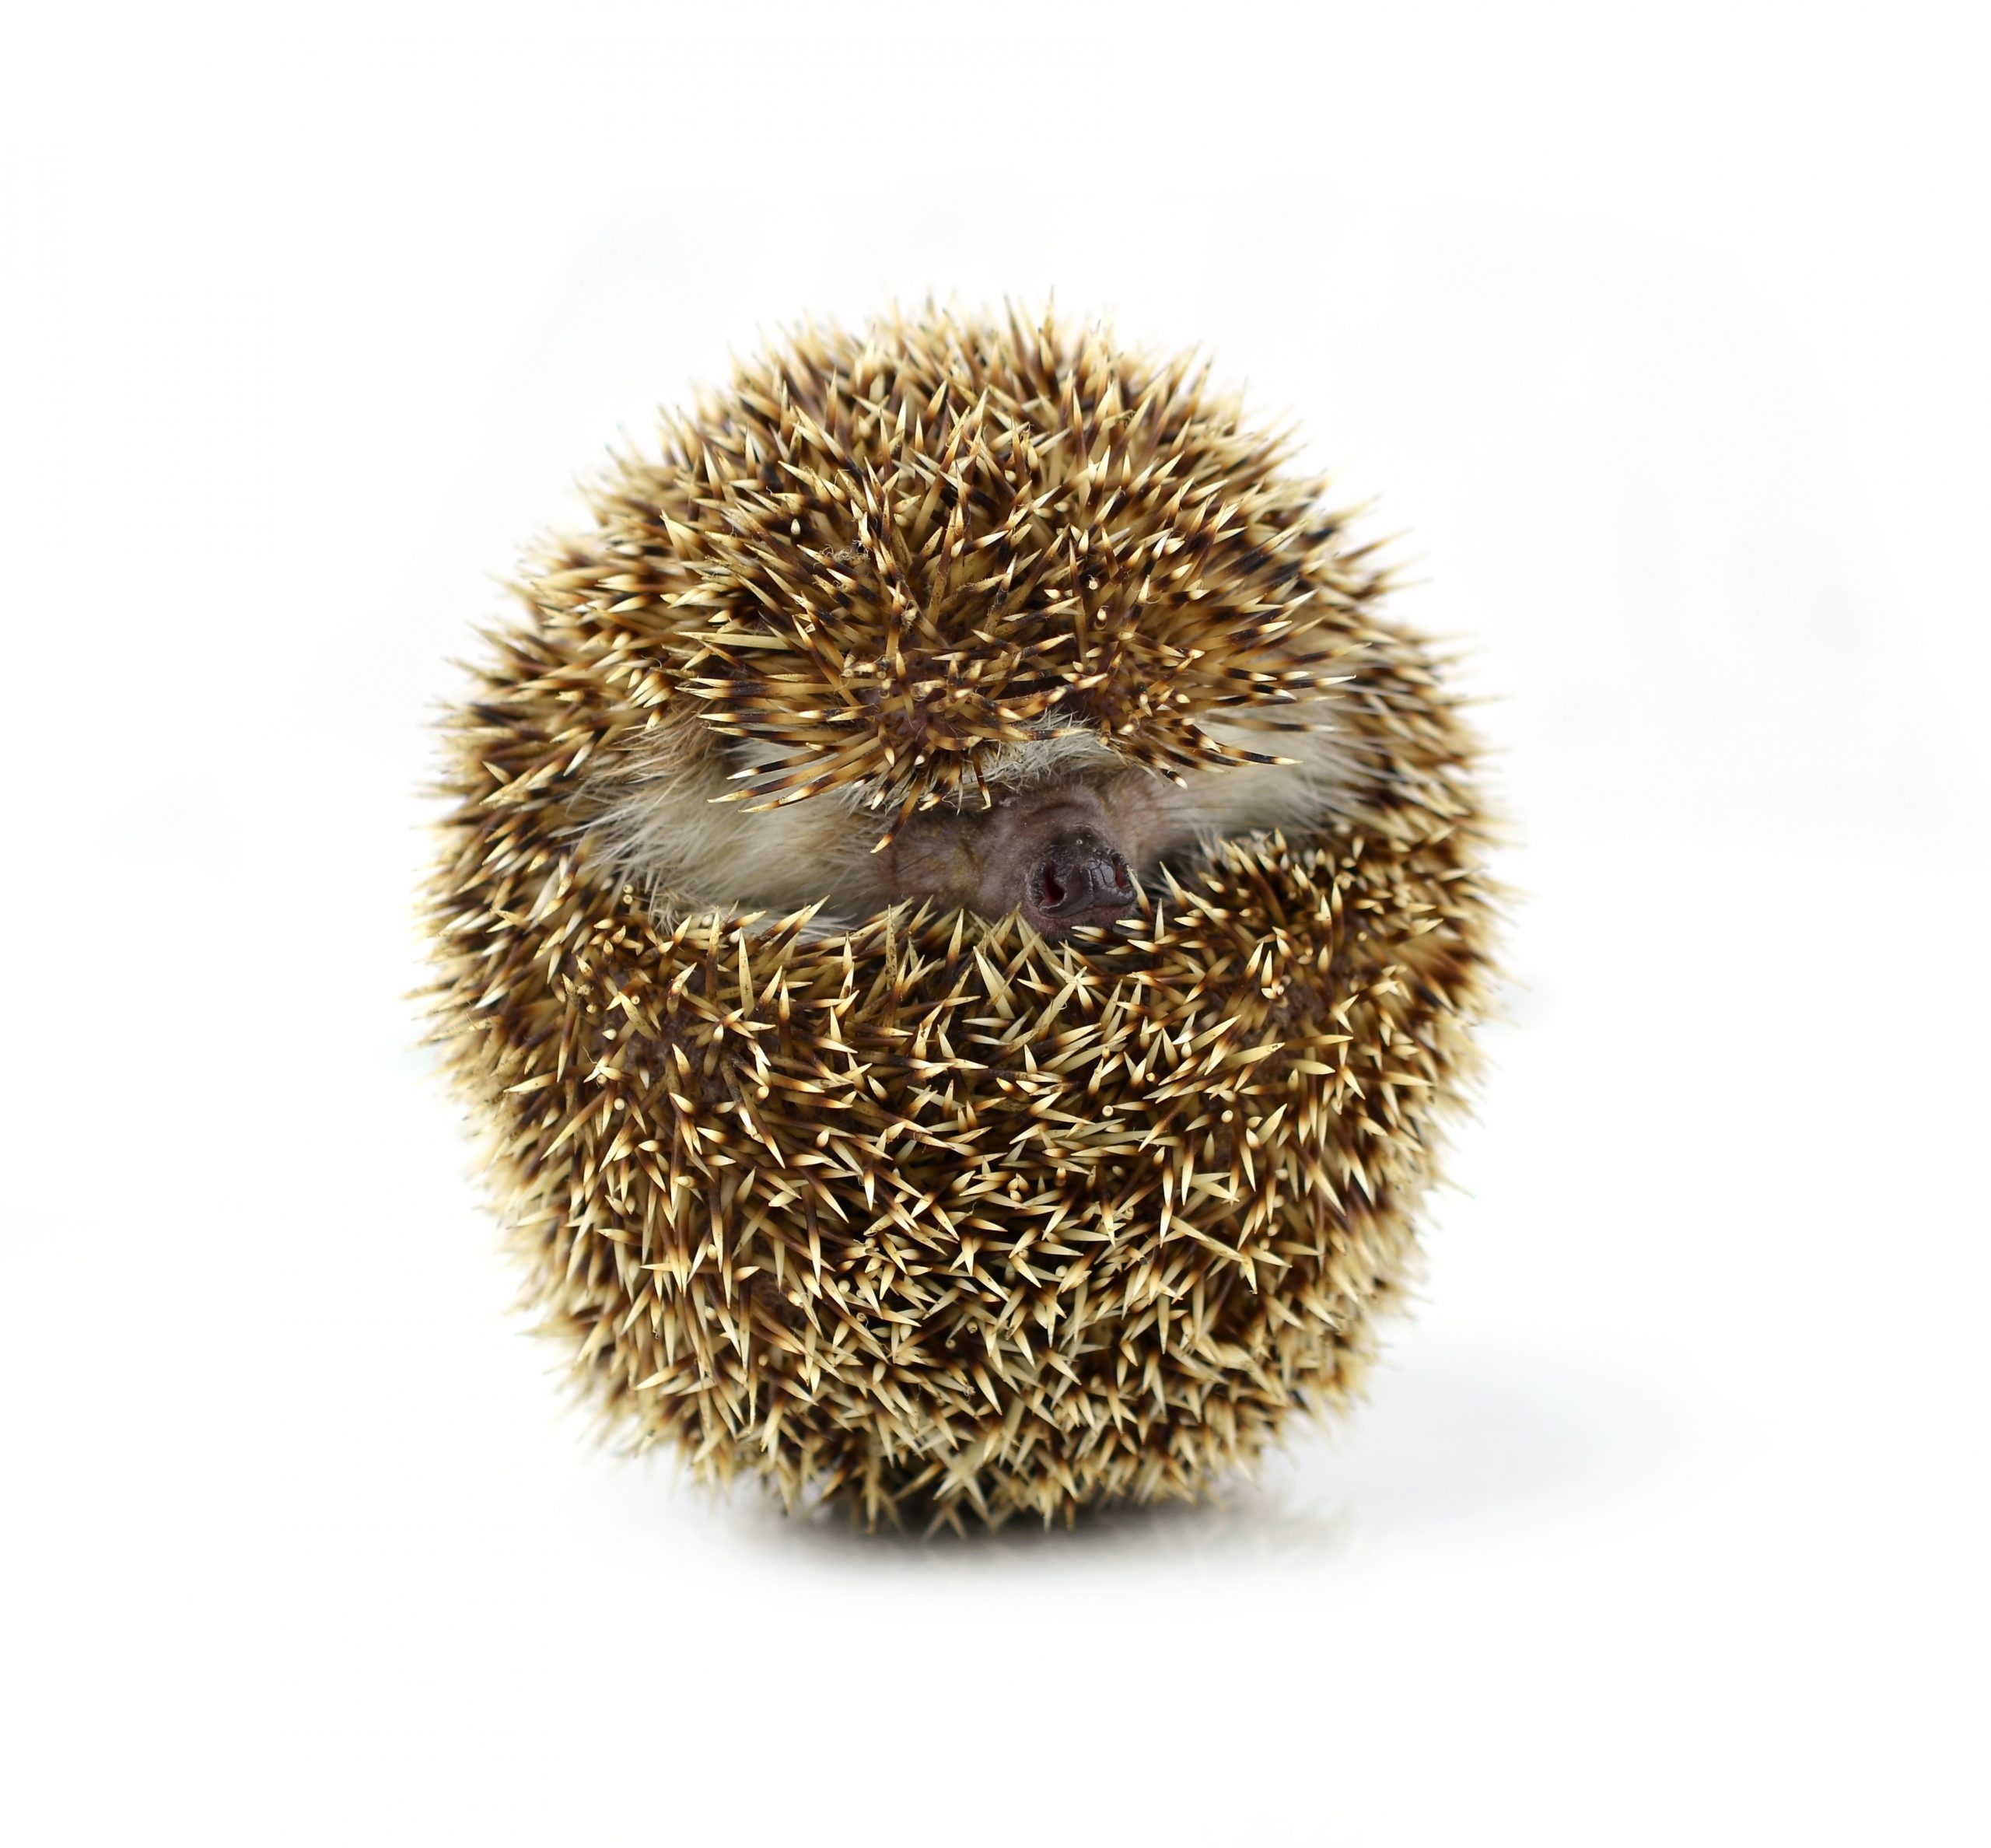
(934, 1210)
(886, 558)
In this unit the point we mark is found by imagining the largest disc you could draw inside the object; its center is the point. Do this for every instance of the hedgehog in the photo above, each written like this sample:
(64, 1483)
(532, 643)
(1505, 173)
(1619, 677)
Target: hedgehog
(962, 922)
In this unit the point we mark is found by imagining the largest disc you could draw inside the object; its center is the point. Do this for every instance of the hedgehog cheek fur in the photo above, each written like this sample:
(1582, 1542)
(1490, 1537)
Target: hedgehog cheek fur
(886, 1200)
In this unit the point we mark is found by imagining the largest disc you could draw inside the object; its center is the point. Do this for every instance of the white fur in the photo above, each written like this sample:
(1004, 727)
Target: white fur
(672, 819)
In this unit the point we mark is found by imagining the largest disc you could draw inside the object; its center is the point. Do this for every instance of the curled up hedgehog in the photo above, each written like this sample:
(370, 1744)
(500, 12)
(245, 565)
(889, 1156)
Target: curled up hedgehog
(961, 917)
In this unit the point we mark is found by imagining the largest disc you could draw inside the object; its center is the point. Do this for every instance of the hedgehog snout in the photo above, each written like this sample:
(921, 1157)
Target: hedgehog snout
(1080, 878)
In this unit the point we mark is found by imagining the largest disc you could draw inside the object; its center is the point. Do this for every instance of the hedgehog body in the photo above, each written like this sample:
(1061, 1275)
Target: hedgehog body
(825, 1165)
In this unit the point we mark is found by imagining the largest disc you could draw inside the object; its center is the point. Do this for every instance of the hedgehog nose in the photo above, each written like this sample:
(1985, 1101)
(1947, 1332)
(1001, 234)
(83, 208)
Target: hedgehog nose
(1081, 880)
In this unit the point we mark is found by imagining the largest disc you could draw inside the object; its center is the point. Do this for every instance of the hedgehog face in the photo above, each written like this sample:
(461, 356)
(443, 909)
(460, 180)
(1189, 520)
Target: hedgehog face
(1061, 853)
(1062, 830)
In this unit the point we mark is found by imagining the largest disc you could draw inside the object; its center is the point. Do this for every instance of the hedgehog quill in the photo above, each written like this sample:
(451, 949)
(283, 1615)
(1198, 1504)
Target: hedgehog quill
(962, 920)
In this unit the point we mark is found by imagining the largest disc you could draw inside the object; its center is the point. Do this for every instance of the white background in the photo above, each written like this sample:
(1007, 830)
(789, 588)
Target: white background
(1664, 333)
